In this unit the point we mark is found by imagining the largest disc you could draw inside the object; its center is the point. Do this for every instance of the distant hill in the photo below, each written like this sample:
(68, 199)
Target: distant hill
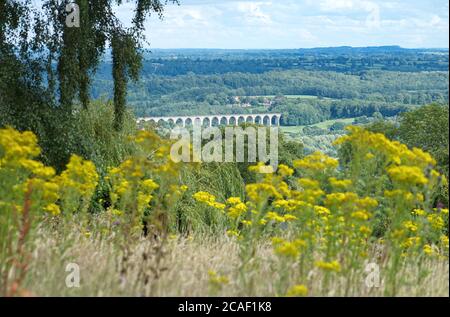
(345, 59)
(349, 50)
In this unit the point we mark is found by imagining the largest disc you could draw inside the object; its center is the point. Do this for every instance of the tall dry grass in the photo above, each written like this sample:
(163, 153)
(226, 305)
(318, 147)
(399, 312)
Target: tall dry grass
(184, 266)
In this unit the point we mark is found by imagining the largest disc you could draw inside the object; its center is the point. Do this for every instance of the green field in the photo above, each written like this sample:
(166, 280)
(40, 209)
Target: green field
(294, 96)
(323, 125)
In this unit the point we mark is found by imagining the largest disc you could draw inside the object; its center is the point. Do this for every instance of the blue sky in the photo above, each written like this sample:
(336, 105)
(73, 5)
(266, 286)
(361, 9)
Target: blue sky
(298, 23)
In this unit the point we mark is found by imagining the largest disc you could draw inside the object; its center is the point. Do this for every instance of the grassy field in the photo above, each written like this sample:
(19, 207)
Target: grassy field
(323, 125)
(185, 267)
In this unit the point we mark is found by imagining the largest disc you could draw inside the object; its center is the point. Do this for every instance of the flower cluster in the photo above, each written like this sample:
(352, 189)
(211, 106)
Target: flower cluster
(236, 208)
(208, 199)
(144, 186)
(21, 172)
(77, 184)
(316, 162)
(330, 212)
(297, 291)
(18, 148)
(378, 145)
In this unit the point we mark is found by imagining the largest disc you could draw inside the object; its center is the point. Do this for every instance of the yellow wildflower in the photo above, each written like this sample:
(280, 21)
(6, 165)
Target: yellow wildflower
(297, 291)
(365, 230)
(217, 205)
(288, 249)
(284, 170)
(53, 209)
(316, 162)
(428, 249)
(274, 216)
(216, 279)
(208, 199)
(277, 240)
(411, 226)
(407, 175)
(340, 184)
(436, 221)
(260, 191)
(80, 175)
(237, 210)
(400, 195)
(308, 183)
(246, 223)
(360, 214)
(418, 212)
(322, 211)
(289, 217)
(234, 200)
(367, 203)
(233, 233)
(329, 266)
(261, 168)
(338, 199)
(149, 184)
(411, 242)
(444, 241)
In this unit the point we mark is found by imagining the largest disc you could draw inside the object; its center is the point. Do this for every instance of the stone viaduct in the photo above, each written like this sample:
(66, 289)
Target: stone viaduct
(267, 119)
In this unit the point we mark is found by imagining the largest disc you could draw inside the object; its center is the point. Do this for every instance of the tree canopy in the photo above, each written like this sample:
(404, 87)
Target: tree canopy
(48, 61)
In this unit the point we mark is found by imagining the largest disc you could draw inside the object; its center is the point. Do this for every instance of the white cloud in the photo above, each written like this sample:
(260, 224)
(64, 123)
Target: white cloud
(253, 12)
(300, 23)
(435, 20)
(349, 7)
(333, 5)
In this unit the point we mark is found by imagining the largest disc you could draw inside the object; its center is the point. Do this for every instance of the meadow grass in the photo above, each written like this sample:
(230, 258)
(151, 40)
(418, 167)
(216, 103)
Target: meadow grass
(185, 266)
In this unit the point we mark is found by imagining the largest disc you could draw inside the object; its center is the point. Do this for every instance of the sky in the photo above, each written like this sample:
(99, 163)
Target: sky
(275, 24)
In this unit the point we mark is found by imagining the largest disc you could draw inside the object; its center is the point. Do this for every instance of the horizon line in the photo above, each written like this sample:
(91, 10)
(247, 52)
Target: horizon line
(295, 48)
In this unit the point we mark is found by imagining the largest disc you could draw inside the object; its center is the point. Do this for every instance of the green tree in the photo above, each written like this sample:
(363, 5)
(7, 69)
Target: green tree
(337, 126)
(427, 128)
(59, 58)
(46, 66)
